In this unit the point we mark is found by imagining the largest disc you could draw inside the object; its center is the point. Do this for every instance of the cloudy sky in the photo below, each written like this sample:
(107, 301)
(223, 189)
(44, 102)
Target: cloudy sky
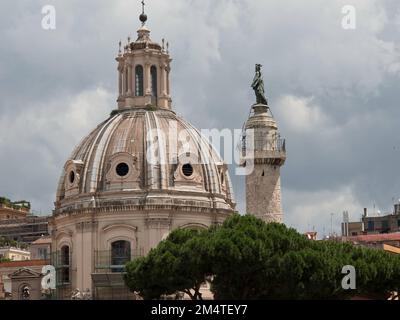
(334, 92)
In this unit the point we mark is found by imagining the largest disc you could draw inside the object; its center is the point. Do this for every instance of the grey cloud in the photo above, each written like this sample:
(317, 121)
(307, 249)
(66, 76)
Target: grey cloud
(352, 76)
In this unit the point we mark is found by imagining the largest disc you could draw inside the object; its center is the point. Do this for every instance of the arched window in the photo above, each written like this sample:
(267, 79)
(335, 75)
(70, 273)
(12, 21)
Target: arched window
(168, 90)
(65, 264)
(153, 72)
(139, 81)
(126, 84)
(65, 256)
(120, 255)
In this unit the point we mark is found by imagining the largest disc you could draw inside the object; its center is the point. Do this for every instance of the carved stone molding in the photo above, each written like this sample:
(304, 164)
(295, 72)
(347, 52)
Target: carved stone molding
(86, 226)
(158, 223)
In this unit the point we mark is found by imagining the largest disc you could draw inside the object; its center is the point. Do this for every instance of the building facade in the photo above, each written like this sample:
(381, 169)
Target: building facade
(388, 223)
(141, 173)
(14, 254)
(378, 241)
(7, 269)
(352, 229)
(40, 249)
(382, 224)
(26, 230)
(13, 210)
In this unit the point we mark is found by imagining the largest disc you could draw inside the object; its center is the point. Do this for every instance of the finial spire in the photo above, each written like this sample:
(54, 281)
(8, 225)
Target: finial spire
(143, 16)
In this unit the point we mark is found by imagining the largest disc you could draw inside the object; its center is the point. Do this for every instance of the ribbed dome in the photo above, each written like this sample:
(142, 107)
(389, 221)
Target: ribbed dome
(117, 164)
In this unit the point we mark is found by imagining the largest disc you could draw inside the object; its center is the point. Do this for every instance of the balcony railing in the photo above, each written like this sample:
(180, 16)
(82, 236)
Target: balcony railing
(108, 261)
(277, 145)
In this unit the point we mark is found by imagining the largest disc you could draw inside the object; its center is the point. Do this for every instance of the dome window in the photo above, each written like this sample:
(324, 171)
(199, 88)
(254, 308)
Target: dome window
(154, 90)
(120, 255)
(65, 264)
(72, 177)
(139, 92)
(122, 169)
(187, 170)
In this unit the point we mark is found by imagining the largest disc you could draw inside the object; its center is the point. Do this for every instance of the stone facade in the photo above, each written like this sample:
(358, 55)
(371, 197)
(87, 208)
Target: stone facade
(8, 268)
(41, 248)
(8, 213)
(90, 234)
(263, 193)
(26, 284)
(14, 254)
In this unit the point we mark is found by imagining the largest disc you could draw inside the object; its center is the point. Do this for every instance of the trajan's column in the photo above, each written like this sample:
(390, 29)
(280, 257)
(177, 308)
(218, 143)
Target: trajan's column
(263, 154)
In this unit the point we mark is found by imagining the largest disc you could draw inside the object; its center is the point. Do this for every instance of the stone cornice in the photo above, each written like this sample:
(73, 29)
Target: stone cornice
(140, 209)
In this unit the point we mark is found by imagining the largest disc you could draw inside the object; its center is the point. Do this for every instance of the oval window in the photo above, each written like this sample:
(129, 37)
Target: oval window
(187, 169)
(71, 177)
(122, 169)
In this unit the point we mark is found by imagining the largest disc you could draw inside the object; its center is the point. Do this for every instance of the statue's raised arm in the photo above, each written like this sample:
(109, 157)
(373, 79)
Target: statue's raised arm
(258, 86)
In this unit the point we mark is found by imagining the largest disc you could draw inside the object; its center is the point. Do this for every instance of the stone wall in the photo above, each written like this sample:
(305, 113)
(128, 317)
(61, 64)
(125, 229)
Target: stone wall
(263, 193)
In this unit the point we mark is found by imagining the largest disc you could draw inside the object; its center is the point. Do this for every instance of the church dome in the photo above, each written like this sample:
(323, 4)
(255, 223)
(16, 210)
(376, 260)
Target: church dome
(145, 158)
(137, 176)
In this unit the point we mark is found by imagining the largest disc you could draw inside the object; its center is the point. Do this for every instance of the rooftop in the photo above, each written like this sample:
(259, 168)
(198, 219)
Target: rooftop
(375, 237)
(13, 249)
(16, 205)
(24, 263)
(42, 240)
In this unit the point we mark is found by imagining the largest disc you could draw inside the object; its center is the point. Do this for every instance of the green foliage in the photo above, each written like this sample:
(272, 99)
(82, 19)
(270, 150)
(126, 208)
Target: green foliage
(5, 201)
(114, 113)
(249, 259)
(5, 242)
(151, 107)
(167, 269)
(15, 205)
(245, 257)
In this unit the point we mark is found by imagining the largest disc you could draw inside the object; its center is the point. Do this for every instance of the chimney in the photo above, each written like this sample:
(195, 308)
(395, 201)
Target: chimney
(365, 212)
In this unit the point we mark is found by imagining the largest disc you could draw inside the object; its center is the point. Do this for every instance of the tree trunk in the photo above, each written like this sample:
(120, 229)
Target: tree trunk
(187, 291)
